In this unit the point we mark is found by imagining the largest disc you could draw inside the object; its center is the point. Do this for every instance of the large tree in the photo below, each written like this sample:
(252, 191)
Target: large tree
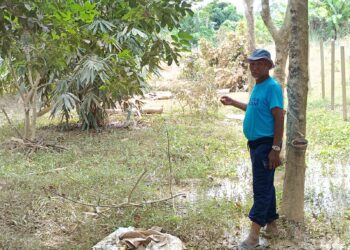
(31, 56)
(123, 43)
(87, 55)
(297, 89)
(280, 37)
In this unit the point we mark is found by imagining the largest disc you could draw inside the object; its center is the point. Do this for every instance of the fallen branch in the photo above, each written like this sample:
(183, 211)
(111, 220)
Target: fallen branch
(137, 182)
(48, 171)
(122, 205)
(170, 166)
(35, 145)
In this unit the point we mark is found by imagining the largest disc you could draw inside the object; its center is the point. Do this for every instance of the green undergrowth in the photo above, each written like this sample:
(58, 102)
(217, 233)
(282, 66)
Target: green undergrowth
(101, 168)
(327, 132)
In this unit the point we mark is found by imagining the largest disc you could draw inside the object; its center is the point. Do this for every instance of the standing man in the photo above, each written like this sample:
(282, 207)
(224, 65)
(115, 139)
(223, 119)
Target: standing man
(263, 127)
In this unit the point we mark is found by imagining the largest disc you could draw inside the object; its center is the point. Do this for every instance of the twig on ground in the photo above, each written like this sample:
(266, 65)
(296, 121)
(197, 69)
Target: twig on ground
(48, 171)
(129, 203)
(34, 145)
(137, 182)
(122, 205)
(170, 166)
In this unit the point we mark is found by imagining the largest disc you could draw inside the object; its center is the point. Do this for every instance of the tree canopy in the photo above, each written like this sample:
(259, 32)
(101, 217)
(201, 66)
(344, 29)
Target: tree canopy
(208, 19)
(88, 55)
(221, 12)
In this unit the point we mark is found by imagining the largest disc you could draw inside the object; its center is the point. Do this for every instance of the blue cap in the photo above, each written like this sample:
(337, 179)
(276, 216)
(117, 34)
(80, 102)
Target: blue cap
(260, 54)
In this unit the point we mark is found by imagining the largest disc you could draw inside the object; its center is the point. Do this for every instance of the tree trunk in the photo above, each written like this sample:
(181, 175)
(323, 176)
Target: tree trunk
(29, 119)
(27, 128)
(34, 117)
(31, 95)
(293, 190)
(249, 15)
(282, 50)
(280, 37)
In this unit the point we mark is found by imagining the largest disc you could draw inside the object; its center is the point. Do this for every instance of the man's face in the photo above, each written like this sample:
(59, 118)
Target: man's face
(259, 68)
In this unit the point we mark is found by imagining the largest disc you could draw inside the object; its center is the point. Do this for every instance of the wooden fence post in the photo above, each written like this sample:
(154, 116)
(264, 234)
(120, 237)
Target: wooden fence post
(343, 82)
(322, 70)
(332, 73)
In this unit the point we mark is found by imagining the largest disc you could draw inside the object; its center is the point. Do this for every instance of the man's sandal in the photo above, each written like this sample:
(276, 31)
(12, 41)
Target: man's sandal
(247, 246)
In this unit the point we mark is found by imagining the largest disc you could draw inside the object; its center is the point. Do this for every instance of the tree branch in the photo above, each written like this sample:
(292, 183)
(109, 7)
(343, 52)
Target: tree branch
(285, 29)
(43, 111)
(122, 205)
(14, 75)
(137, 182)
(266, 16)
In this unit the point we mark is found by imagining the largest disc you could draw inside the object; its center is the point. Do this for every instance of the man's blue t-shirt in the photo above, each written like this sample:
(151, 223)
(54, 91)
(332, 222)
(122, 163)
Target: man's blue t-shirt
(259, 121)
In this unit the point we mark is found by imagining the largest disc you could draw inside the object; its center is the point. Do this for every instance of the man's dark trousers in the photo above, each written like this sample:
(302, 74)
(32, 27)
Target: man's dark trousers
(264, 207)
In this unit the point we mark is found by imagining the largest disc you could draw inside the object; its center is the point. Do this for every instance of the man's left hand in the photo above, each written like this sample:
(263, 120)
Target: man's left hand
(274, 159)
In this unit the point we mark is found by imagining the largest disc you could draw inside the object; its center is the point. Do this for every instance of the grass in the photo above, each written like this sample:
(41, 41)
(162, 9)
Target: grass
(102, 167)
(328, 133)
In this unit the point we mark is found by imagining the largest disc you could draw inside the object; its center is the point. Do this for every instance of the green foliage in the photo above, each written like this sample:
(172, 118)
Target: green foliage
(199, 26)
(207, 20)
(219, 12)
(329, 18)
(5, 76)
(262, 34)
(33, 59)
(118, 49)
(101, 51)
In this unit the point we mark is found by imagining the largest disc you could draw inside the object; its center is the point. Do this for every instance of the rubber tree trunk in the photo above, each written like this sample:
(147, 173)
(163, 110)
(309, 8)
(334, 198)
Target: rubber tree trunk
(249, 15)
(297, 89)
(280, 37)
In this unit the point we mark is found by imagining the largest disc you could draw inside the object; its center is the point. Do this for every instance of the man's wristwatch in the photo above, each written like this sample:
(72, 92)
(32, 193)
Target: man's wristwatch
(276, 148)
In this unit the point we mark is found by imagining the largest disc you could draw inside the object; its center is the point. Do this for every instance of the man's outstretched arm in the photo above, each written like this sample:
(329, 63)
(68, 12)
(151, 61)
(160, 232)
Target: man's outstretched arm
(229, 101)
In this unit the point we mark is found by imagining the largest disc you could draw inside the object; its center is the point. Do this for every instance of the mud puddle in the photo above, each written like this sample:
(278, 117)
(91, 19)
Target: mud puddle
(327, 187)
